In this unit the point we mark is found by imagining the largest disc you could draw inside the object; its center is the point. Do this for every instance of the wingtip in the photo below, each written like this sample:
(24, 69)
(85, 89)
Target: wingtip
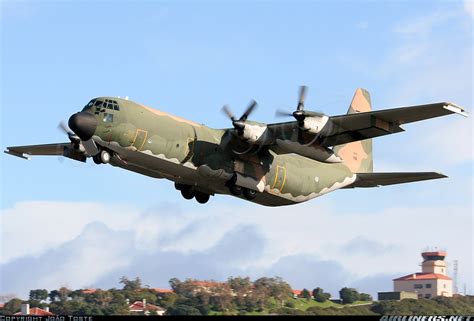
(441, 175)
(21, 155)
(456, 109)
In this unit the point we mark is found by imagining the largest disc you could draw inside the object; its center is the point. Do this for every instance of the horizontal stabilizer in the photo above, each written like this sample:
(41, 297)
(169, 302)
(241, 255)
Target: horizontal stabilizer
(382, 179)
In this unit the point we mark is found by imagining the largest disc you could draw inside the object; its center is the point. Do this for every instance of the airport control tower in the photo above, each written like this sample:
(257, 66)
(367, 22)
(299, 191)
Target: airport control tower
(431, 282)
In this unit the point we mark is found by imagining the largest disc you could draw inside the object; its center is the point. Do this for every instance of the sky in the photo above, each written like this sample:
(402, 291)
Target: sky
(65, 223)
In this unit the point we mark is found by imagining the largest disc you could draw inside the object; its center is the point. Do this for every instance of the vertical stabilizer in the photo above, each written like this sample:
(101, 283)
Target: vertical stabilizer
(358, 155)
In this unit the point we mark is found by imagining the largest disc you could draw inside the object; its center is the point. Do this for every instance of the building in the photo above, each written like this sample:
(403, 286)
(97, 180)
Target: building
(299, 294)
(141, 307)
(162, 291)
(397, 295)
(431, 282)
(26, 310)
(296, 293)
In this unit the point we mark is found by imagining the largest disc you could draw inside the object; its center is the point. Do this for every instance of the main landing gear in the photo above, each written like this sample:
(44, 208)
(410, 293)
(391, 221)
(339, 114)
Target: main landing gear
(236, 190)
(188, 192)
(103, 157)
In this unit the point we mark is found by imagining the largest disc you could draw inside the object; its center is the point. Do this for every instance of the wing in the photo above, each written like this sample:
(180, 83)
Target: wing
(357, 126)
(383, 179)
(59, 149)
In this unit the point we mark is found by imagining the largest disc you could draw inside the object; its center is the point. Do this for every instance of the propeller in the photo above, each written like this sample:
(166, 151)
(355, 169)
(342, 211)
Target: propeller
(239, 124)
(72, 137)
(299, 114)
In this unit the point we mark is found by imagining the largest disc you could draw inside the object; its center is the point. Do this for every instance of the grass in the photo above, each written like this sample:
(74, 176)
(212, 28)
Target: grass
(303, 304)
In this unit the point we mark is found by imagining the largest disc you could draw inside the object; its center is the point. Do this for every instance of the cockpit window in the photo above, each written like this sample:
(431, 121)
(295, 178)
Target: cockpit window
(102, 105)
(89, 105)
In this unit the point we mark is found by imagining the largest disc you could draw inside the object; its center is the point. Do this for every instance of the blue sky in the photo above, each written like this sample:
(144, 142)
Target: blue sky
(189, 59)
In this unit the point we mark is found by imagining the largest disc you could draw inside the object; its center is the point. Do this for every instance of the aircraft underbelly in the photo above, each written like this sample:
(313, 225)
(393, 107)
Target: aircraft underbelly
(288, 182)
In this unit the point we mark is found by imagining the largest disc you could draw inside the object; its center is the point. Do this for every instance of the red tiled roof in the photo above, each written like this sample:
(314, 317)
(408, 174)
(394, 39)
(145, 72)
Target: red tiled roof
(423, 276)
(89, 291)
(297, 292)
(207, 284)
(159, 290)
(434, 253)
(36, 311)
(2, 305)
(138, 306)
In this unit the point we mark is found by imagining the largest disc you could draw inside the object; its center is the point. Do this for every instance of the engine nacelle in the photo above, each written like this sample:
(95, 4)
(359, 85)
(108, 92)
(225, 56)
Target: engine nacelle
(208, 172)
(254, 133)
(316, 152)
(314, 124)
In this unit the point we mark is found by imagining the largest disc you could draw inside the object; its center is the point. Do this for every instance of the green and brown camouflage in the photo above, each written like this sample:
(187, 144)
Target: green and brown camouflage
(275, 164)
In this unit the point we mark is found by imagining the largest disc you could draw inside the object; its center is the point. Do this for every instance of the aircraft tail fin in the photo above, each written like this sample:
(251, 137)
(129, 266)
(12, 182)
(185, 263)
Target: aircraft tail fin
(358, 155)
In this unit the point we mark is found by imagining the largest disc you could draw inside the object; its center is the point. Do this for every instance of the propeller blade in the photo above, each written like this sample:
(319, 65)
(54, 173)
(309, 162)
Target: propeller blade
(249, 110)
(283, 113)
(62, 126)
(302, 97)
(226, 110)
(313, 113)
(72, 136)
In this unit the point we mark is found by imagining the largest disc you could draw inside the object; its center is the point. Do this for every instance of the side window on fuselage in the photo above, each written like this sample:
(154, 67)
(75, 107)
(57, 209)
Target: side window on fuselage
(108, 118)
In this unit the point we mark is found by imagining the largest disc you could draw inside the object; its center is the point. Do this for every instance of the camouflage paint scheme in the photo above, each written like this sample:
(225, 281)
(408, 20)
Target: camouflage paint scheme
(160, 145)
(186, 145)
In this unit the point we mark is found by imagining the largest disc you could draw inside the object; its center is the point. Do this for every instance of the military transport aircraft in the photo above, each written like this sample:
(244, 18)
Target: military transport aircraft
(273, 165)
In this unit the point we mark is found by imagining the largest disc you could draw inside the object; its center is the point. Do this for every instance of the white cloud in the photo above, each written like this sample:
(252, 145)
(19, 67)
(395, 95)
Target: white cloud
(216, 242)
(37, 226)
(423, 25)
(469, 7)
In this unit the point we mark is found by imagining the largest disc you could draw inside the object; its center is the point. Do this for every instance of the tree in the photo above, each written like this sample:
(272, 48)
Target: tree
(54, 295)
(167, 300)
(305, 294)
(320, 296)
(348, 295)
(39, 294)
(365, 297)
(64, 294)
(12, 306)
(241, 288)
(182, 309)
(175, 283)
(131, 285)
(273, 287)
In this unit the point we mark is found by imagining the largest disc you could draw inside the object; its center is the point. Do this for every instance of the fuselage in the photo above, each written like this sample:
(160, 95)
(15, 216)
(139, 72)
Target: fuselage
(160, 145)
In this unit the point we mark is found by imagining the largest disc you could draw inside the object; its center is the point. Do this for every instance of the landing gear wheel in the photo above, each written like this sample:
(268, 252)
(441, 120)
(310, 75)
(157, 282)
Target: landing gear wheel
(202, 198)
(104, 156)
(96, 159)
(235, 190)
(187, 192)
(249, 194)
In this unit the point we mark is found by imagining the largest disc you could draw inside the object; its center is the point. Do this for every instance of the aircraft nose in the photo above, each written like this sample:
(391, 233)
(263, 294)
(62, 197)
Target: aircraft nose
(83, 125)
